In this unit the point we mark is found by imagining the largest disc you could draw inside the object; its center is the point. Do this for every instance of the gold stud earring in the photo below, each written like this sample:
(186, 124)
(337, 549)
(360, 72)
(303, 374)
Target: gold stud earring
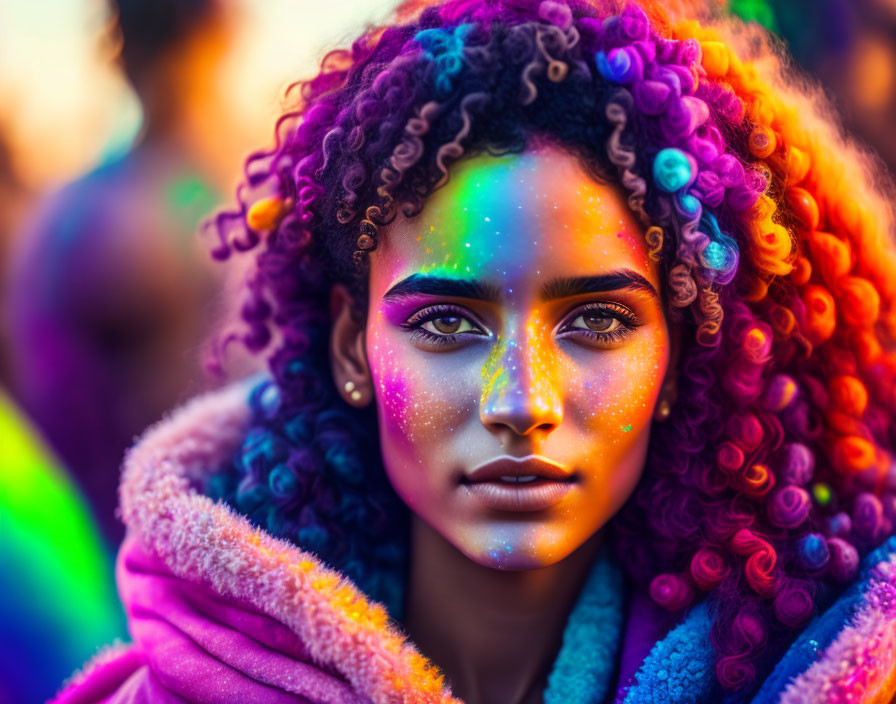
(354, 393)
(664, 410)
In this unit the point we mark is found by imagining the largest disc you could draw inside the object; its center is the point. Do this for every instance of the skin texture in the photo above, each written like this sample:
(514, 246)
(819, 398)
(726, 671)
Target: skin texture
(521, 376)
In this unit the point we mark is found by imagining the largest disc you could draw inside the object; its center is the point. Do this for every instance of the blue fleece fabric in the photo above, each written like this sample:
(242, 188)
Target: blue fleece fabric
(680, 668)
(822, 629)
(583, 669)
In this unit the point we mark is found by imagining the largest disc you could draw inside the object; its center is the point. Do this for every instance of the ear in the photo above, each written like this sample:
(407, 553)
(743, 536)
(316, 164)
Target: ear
(348, 351)
(669, 390)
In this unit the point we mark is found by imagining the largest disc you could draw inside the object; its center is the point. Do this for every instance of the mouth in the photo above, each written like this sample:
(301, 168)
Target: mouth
(530, 483)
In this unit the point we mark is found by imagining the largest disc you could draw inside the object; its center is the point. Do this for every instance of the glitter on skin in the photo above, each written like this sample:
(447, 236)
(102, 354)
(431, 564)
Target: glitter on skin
(513, 384)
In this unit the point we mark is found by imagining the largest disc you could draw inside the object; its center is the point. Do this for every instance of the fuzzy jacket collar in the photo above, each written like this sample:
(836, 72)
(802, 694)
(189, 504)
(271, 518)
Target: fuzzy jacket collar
(186, 554)
(208, 543)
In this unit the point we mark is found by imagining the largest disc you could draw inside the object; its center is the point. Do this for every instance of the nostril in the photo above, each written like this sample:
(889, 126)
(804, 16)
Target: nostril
(519, 425)
(546, 427)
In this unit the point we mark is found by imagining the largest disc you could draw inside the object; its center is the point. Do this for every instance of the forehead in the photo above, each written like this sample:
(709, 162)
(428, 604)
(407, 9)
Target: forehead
(514, 218)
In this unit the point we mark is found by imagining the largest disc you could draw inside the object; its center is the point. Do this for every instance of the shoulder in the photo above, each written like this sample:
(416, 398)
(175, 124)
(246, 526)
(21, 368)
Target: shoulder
(120, 201)
(213, 601)
(104, 678)
(190, 641)
(66, 208)
(849, 650)
(64, 230)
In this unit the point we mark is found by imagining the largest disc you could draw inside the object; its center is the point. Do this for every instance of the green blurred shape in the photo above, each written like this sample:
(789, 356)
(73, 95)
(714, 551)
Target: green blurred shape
(758, 11)
(57, 597)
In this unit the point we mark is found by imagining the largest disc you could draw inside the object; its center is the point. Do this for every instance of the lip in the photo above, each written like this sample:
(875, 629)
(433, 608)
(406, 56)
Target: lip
(553, 483)
(504, 466)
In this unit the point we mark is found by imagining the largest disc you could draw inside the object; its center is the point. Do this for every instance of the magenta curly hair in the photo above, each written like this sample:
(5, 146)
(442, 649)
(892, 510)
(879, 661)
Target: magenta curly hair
(774, 473)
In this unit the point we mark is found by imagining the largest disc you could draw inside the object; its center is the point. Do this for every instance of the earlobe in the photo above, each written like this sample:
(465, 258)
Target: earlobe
(663, 410)
(669, 390)
(348, 351)
(668, 396)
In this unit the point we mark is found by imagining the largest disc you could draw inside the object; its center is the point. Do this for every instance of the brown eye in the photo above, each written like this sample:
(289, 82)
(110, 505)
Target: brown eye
(448, 325)
(598, 322)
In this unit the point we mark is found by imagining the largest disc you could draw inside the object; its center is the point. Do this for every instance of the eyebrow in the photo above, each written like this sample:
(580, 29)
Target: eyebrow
(552, 290)
(443, 286)
(617, 280)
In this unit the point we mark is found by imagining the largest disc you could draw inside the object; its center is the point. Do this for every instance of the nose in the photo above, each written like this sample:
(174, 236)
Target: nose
(520, 389)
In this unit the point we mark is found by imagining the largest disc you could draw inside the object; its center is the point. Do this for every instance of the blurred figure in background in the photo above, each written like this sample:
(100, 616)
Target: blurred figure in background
(111, 292)
(850, 47)
(14, 200)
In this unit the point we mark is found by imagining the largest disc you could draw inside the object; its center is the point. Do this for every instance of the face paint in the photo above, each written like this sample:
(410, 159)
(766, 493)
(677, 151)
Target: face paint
(516, 318)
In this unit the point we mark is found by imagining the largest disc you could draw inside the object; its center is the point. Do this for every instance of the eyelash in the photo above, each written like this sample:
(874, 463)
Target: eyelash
(628, 323)
(417, 320)
(627, 319)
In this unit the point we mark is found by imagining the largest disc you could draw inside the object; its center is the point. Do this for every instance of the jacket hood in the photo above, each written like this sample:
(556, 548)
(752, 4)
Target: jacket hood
(320, 617)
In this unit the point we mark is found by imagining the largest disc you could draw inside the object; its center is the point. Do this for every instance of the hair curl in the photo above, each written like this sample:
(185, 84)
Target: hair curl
(774, 473)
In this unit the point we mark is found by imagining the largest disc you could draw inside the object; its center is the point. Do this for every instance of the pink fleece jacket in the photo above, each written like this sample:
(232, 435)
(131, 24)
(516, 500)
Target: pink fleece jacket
(221, 612)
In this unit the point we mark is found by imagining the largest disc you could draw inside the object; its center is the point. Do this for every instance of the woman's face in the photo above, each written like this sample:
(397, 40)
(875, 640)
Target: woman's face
(517, 347)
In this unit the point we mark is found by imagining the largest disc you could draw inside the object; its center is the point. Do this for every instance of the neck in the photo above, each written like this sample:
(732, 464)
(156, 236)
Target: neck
(493, 633)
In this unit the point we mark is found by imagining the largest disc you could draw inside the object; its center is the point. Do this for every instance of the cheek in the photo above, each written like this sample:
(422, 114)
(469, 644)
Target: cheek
(419, 402)
(617, 392)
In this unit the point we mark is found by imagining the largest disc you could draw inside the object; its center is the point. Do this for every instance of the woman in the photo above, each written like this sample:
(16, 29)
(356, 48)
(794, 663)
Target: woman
(589, 288)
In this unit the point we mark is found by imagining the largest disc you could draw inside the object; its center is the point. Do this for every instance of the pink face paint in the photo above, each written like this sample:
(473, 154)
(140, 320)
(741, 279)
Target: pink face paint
(516, 317)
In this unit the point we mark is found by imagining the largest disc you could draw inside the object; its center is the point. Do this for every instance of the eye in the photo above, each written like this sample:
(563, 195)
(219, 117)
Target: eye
(443, 325)
(447, 325)
(601, 323)
(597, 322)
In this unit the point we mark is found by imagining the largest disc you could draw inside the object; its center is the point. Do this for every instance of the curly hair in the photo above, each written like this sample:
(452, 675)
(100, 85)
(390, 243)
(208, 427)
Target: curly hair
(775, 472)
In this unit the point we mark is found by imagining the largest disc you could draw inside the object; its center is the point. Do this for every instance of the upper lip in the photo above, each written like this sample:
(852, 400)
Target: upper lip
(508, 466)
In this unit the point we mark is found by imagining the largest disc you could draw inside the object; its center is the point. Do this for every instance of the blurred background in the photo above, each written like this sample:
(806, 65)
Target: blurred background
(123, 123)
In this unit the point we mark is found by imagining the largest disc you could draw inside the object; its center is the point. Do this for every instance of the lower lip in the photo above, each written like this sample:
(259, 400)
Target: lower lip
(533, 496)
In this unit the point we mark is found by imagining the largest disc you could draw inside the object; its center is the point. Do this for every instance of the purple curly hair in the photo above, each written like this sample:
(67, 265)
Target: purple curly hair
(773, 475)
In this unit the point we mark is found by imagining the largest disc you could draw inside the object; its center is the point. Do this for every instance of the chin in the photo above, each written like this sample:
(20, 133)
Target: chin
(512, 549)
(522, 563)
